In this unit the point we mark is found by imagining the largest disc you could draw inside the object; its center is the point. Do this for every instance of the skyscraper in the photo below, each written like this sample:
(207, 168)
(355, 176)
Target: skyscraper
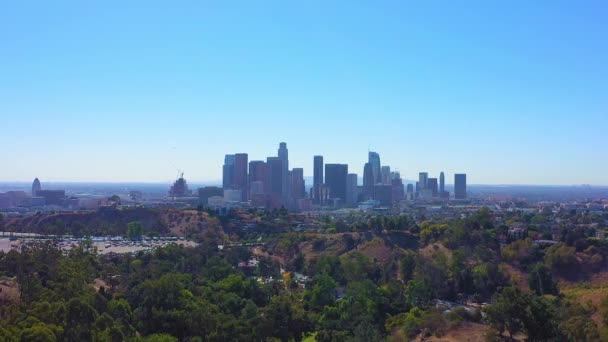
(274, 176)
(257, 173)
(335, 179)
(36, 187)
(228, 171)
(351, 189)
(422, 181)
(368, 181)
(410, 188)
(297, 183)
(441, 183)
(283, 154)
(385, 172)
(374, 160)
(317, 182)
(432, 186)
(398, 189)
(460, 186)
(240, 174)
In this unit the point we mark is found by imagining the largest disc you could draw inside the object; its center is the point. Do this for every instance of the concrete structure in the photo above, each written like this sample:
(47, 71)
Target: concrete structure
(52, 197)
(231, 195)
(209, 191)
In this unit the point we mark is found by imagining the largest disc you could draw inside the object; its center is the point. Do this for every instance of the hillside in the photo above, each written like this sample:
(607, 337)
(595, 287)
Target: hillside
(114, 222)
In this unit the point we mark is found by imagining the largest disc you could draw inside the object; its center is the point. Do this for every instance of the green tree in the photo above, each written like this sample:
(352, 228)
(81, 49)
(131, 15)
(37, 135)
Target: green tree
(135, 230)
(322, 292)
(541, 280)
(507, 310)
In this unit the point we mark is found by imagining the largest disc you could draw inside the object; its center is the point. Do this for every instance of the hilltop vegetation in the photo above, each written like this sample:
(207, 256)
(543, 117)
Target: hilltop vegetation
(360, 278)
(112, 221)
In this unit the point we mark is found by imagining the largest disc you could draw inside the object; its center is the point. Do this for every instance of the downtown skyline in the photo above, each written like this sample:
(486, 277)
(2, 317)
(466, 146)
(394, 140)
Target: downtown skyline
(512, 93)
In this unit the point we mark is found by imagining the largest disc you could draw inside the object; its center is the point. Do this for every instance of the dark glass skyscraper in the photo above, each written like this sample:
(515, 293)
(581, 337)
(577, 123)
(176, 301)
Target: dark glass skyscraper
(335, 180)
(368, 181)
(297, 183)
(432, 185)
(351, 189)
(374, 161)
(228, 171)
(274, 175)
(257, 173)
(317, 182)
(240, 174)
(283, 154)
(460, 186)
(36, 187)
(422, 181)
(441, 183)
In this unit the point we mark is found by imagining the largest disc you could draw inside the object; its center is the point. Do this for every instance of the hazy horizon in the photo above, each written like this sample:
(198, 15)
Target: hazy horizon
(511, 93)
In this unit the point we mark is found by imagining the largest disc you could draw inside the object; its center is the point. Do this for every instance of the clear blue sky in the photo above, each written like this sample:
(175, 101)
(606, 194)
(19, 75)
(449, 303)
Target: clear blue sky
(510, 92)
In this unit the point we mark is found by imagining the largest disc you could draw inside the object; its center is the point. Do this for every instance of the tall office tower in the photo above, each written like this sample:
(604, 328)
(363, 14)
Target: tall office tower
(398, 190)
(368, 181)
(36, 187)
(335, 180)
(228, 171)
(422, 181)
(283, 154)
(374, 160)
(385, 173)
(297, 183)
(460, 186)
(395, 175)
(257, 173)
(317, 182)
(409, 195)
(274, 176)
(441, 183)
(432, 186)
(240, 174)
(351, 189)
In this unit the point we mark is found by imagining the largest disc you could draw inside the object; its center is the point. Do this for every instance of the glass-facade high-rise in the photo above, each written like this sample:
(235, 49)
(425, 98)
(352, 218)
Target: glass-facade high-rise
(317, 182)
(335, 180)
(228, 171)
(460, 186)
(374, 161)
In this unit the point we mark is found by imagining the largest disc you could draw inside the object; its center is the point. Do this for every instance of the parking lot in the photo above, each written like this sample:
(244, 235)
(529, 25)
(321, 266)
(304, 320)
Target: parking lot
(105, 245)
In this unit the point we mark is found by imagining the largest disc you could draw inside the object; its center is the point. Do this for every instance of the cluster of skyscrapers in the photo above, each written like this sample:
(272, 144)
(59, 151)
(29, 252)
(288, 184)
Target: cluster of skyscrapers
(272, 184)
